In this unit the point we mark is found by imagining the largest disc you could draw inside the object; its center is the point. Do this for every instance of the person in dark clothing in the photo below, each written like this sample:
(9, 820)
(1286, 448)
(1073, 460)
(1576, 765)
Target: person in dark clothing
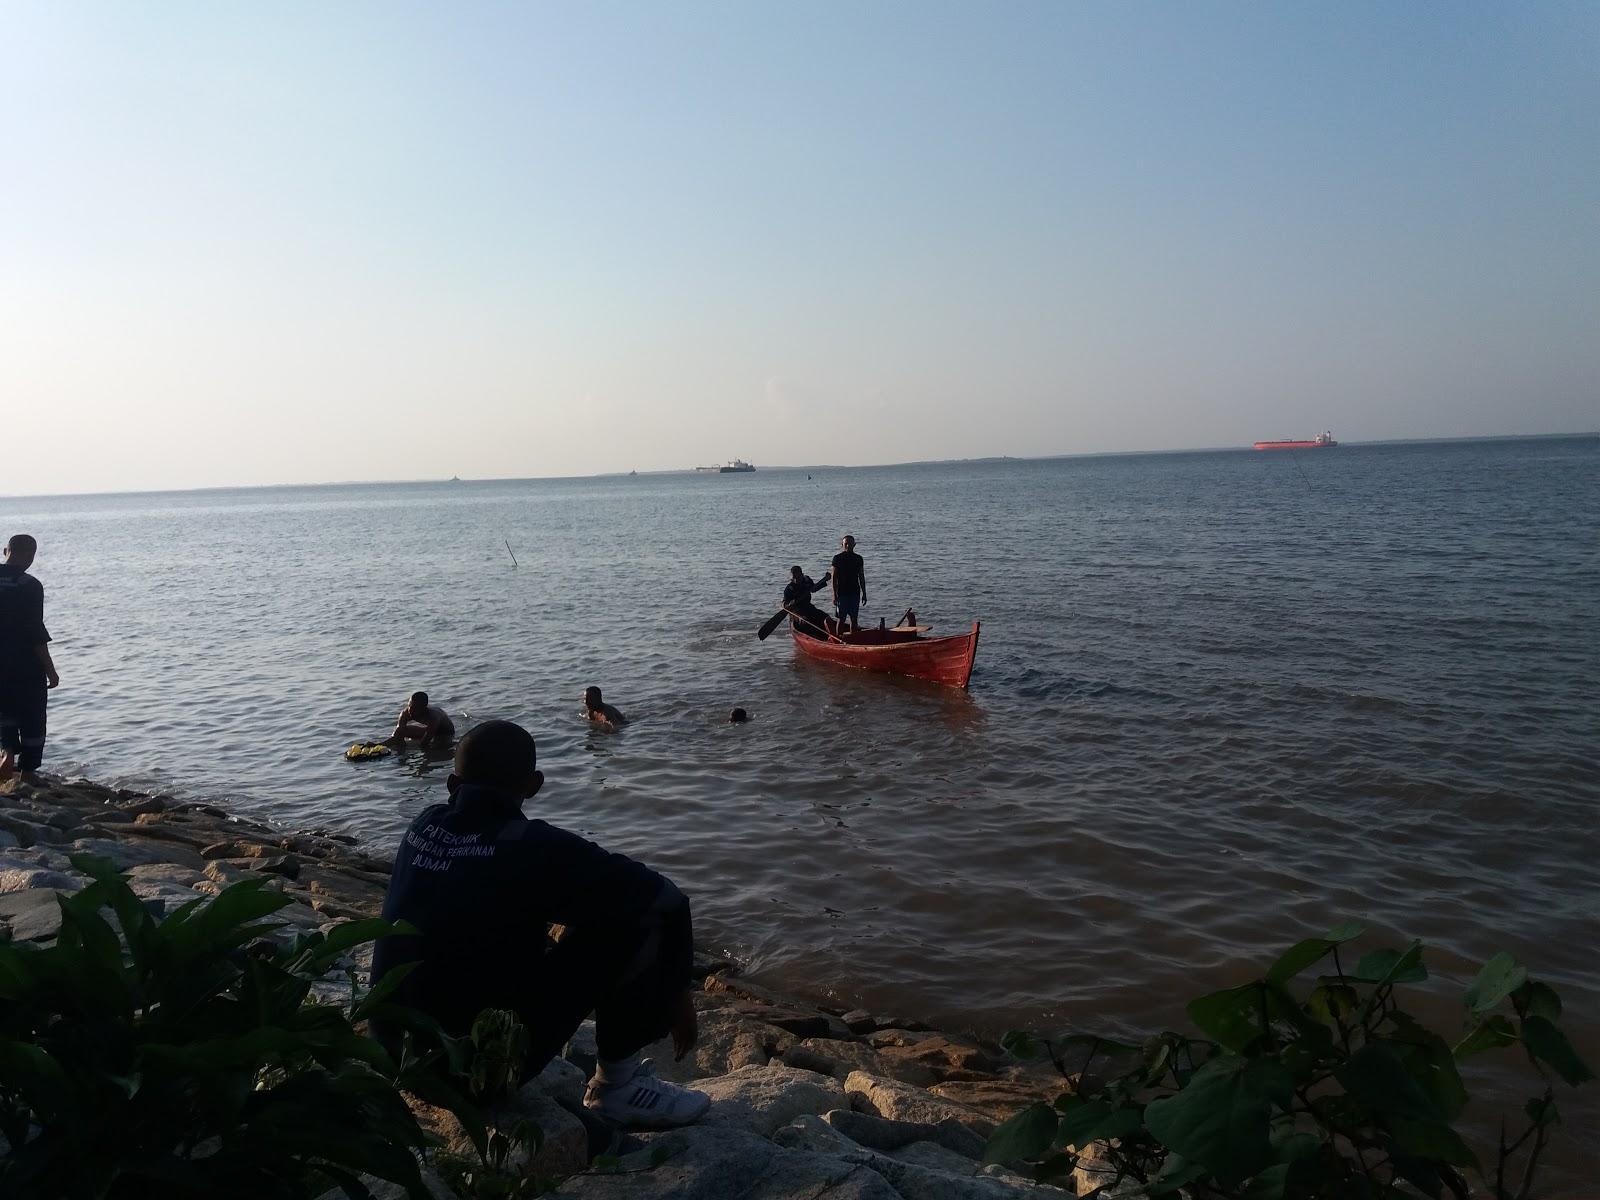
(482, 883)
(27, 672)
(803, 614)
(597, 710)
(849, 584)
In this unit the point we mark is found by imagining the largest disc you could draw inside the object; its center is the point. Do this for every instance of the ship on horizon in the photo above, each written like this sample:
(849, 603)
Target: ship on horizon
(1323, 440)
(733, 465)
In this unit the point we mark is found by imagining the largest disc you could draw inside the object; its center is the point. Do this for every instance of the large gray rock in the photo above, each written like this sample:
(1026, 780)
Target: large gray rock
(164, 872)
(25, 879)
(921, 1171)
(834, 1056)
(715, 1163)
(881, 1133)
(563, 1082)
(31, 916)
(902, 1102)
(565, 1146)
(7, 840)
(124, 855)
(382, 1189)
(764, 1099)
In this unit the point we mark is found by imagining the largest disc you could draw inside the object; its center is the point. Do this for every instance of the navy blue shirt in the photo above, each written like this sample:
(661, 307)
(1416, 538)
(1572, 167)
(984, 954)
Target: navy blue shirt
(22, 628)
(482, 883)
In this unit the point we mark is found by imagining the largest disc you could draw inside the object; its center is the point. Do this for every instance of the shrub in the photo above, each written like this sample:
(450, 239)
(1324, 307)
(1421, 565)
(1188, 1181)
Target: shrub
(182, 1057)
(1332, 1092)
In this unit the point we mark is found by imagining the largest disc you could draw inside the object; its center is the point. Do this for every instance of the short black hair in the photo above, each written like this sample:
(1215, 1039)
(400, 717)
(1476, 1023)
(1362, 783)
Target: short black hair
(796, 571)
(738, 716)
(591, 695)
(420, 698)
(497, 754)
(23, 543)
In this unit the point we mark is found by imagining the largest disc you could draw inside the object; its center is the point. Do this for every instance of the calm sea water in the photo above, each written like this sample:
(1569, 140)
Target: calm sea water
(1221, 701)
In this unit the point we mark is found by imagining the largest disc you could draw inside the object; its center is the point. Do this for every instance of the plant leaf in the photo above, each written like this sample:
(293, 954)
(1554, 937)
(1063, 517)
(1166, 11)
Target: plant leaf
(1027, 1135)
(1222, 1118)
(1550, 1046)
(1500, 976)
(1391, 966)
(1491, 1033)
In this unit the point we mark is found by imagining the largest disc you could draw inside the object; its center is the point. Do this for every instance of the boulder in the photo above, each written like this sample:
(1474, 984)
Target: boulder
(713, 1163)
(563, 1151)
(31, 915)
(902, 1102)
(382, 1189)
(834, 1056)
(859, 1020)
(137, 807)
(24, 879)
(563, 1082)
(8, 840)
(766, 1098)
(998, 1099)
(27, 832)
(881, 1133)
(126, 854)
(936, 1158)
(924, 1058)
(164, 872)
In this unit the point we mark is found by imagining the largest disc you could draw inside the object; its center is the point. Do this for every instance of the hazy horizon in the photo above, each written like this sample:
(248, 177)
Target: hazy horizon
(821, 466)
(274, 247)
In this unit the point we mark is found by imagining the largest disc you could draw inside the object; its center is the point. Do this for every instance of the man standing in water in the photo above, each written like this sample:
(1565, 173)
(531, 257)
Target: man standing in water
(481, 883)
(849, 584)
(26, 670)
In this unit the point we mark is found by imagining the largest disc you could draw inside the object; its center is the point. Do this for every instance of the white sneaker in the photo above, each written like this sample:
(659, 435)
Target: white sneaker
(645, 1102)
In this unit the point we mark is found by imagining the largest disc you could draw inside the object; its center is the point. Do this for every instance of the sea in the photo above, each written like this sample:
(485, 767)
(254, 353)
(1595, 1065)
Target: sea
(1222, 701)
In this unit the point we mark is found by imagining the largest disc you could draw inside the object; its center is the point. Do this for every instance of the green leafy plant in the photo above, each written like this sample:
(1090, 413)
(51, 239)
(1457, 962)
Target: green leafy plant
(498, 1051)
(1300, 1091)
(182, 1057)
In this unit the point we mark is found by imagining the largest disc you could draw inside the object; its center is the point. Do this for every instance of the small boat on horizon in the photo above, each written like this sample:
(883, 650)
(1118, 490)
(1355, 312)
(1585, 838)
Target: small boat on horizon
(901, 651)
(1322, 441)
(730, 467)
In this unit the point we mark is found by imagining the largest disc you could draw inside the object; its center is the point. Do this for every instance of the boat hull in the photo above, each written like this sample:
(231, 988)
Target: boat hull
(1327, 445)
(946, 660)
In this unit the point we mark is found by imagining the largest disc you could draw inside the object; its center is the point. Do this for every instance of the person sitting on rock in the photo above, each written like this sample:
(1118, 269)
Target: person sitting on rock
(601, 713)
(482, 883)
(422, 722)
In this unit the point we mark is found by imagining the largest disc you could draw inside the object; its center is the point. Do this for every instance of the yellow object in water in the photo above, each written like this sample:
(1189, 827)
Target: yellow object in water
(362, 750)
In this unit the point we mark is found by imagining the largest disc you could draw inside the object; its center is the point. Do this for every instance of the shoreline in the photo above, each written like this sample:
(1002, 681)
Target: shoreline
(788, 1077)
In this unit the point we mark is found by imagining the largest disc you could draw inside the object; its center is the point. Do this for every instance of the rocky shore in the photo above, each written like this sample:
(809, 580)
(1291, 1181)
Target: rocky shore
(806, 1101)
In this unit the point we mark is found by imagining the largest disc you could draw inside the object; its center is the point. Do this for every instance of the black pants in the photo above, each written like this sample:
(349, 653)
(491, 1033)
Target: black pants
(22, 706)
(630, 984)
(629, 979)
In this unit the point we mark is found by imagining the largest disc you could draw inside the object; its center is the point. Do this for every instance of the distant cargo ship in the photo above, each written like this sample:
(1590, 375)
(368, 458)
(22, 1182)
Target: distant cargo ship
(1316, 443)
(737, 464)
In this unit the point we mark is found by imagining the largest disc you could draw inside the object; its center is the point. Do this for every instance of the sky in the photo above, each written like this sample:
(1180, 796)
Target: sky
(303, 242)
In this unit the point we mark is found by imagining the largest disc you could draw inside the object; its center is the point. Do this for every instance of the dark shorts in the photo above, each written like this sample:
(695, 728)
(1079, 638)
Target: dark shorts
(849, 605)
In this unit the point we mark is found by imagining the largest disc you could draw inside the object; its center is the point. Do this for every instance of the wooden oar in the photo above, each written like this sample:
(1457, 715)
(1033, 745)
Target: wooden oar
(771, 624)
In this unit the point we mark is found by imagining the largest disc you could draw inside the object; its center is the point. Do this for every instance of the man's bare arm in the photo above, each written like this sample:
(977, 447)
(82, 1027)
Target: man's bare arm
(45, 661)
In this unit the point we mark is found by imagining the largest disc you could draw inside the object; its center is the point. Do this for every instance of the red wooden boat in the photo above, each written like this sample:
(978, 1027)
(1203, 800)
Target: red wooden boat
(946, 660)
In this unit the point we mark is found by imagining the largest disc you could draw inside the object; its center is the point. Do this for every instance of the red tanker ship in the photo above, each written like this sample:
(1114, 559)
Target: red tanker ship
(1316, 443)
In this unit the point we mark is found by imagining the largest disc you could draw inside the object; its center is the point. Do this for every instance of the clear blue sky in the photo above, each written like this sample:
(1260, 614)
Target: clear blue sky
(294, 242)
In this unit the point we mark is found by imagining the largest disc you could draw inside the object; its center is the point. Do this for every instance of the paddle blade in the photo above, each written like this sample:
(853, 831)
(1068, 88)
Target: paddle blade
(772, 623)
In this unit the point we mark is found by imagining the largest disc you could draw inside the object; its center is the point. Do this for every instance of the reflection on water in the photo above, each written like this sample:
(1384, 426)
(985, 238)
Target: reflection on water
(1217, 703)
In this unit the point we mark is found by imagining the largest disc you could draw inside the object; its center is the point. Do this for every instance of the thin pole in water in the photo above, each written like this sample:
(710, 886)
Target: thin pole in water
(514, 562)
